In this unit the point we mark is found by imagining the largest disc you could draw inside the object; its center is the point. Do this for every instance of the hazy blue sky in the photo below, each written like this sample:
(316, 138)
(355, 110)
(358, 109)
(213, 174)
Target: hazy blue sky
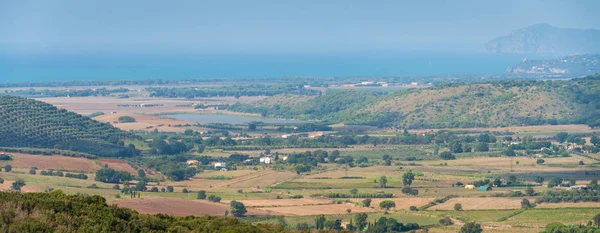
(278, 25)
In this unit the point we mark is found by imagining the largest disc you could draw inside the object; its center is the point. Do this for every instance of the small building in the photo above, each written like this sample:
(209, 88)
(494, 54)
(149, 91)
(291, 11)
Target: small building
(284, 158)
(470, 186)
(266, 160)
(484, 188)
(192, 162)
(286, 136)
(315, 134)
(220, 164)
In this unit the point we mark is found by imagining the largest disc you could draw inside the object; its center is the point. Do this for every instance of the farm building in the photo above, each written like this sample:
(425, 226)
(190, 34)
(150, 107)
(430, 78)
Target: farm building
(219, 165)
(470, 186)
(484, 188)
(192, 161)
(266, 160)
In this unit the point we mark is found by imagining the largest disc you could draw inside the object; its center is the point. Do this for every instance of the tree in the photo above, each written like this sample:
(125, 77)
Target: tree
(7, 168)
(485, 138)
(126, 119)
(458, 207)
(595, 140)
(361, 221)
(170, 189)
(447, 155)
(482, 147)
(251, 126)
(512, 180)
(201, 195)
(509, 152)
(387, 204)
(539, 179)
(333, 224)
(366, 202)
(540, 161)
(471, 227)
(154, 189)
(383, 182)
(408, 178)
(17, 185)
(555, 182)
(530, 192)
(525, 204)
(446, 221)
(141, 173)
(237, 208)
(184, 190)
(320, 222)
(562, 137)
(354, 191)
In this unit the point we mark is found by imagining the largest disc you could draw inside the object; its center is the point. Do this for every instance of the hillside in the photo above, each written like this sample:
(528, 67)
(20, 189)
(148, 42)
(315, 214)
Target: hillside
(31, 123)
(491, 104)
(58, 212)
(570, 65)
(544, 38)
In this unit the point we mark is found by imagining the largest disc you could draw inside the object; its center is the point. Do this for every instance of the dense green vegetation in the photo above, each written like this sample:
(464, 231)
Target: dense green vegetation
(490, 104)
(33, 93)
(31, 123)
(55, 211)
(236, 91)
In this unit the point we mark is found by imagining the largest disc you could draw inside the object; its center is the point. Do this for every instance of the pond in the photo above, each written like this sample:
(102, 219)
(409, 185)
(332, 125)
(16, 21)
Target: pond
(229, 119)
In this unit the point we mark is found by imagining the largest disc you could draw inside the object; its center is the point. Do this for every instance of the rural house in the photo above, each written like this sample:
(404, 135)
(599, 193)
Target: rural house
(266, 160)
(220, 165)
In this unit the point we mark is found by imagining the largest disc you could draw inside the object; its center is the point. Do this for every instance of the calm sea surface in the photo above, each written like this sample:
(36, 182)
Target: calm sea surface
(23, 67)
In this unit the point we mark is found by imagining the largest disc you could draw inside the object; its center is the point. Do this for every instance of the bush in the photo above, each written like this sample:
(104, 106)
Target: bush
(5, 157)
(366, 202)
(458, 207)
(126, 119)
(446, 155)
(413, 208)
(184, 190)
(32, 171)
(214, 198)
(471, 227)
(525, 204)
(446, 221)
(201, 195)
(154, 189)
(170, 189)
(410, 191)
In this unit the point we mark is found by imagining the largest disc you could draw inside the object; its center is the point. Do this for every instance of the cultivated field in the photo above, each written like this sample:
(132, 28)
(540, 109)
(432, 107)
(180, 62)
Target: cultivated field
(56, 162)
(316, 209)
(179, 207)
(285, 202)
(474, 203)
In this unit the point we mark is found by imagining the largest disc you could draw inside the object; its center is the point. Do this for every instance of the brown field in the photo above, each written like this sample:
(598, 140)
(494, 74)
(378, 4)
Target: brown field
(56, 162)
(179, 207)
(316, 209)
(118, 165)
(478, 203)
(285, 202)
(144, 122)
(401, 203)
(569, 205)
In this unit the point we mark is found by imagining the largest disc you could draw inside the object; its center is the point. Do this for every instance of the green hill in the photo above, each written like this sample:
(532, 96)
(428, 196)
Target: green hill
(491, 104)
(30, 123)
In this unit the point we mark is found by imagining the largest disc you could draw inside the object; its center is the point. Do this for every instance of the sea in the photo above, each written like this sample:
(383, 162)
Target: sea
(65, 66)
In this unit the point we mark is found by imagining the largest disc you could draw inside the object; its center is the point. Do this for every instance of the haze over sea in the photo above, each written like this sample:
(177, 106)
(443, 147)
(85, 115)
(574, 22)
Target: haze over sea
(63, 66)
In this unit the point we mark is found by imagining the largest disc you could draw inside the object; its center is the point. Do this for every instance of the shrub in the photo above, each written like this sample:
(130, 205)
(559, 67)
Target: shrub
(458, 207)
(201, 195)
(32, 171)
(366, 202)
(154, 189)
(446, 221)
(214, 198)
(446, 155)
(170, 189)
(126, 119)
(184, 190)
(410, 191)
(413, 208)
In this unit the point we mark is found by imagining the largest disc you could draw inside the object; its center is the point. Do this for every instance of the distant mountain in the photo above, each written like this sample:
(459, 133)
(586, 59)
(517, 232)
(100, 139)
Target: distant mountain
(576, 65)
(544, 38)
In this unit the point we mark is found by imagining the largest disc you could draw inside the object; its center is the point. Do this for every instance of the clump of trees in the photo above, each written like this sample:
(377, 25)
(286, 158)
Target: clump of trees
(109, 175)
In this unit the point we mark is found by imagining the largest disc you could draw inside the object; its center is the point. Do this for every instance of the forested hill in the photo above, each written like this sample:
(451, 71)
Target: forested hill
(31, 123)
(491, 104)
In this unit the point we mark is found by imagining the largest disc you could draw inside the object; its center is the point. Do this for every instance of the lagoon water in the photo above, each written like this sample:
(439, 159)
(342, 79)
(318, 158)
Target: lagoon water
(64, 66)
(228, 119)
